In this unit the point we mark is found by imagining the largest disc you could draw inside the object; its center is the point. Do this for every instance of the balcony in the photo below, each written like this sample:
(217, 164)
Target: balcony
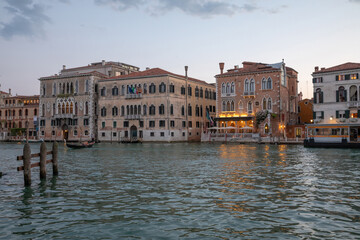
(249, 94)
(64, 115)
(228, 94)
(132, 117)
(353, 104)
(133, 96)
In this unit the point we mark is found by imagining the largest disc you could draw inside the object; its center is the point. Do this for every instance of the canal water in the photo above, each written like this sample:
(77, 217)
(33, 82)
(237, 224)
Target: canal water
(184, 191)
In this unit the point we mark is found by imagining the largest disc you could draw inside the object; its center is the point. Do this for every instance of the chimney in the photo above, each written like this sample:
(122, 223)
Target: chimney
(9, 91)
(103, 62)
(186, 70)
(64, 67)
(147, 68)
(236, 66)
(323, 68)
(221, 65)
(316, 68)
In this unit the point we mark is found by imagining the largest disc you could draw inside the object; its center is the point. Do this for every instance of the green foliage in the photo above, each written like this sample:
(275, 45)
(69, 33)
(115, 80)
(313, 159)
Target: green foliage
(261, 116)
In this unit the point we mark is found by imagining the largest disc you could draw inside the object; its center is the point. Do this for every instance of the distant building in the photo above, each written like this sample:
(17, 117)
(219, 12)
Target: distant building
(268, 91)
(17, 113)
(154, 105)
(336, 94)
(68, 101)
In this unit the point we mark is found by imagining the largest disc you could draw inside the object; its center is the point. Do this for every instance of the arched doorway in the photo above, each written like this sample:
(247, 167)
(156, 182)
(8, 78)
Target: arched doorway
(133, 133)
(65, 131)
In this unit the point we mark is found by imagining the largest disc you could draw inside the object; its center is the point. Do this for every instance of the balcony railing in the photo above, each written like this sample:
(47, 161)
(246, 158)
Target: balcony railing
(250, 94)
(353, 104)
(132, 117)
(133, 96)
(64, 115)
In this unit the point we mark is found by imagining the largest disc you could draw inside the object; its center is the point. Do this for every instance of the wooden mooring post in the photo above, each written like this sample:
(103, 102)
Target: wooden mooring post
(26, 157)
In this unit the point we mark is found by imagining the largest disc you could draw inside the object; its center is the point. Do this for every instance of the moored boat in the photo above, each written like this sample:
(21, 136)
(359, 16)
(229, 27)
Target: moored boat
(77, 145)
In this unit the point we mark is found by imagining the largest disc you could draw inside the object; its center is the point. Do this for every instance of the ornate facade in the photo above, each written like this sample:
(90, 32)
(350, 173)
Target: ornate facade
(154, 105)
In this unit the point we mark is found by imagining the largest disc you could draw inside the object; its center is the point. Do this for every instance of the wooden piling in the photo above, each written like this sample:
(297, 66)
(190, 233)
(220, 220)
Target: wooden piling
(43, 161)
(27, 165)
(55, 158)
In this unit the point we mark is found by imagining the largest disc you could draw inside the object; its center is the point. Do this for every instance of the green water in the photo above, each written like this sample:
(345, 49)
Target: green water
(184, 191)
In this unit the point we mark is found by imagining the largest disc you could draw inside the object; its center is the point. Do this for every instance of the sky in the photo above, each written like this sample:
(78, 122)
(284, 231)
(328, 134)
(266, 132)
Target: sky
(38, 37)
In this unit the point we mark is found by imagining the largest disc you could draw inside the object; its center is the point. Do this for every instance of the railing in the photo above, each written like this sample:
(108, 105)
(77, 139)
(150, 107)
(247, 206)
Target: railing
(133, 96)
(249, 94)
(132, 117)
(64, 115)
(353, 104)
(228, 94)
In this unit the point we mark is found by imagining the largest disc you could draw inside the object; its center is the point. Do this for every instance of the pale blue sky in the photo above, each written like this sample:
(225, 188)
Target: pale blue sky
(38, 37)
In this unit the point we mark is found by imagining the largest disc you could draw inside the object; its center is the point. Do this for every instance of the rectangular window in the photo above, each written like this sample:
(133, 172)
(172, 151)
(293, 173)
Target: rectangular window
(162, 134)
(151, 123)
(53, 133)
(172, 123)
(114, 134)
(126, 124)
(102, 124)
(42, 123)
(86, 122)
(103, 134)
(172, 134)
(126, 134)
(162, 123)
(197, 124)
(183, 124)
(152, 134)
(75, 122)
(114, 124)
(141, 123)
(190, 124)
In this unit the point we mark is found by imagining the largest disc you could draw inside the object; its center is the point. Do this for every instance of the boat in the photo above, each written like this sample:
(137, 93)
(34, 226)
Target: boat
(332, 136)
(78, 145)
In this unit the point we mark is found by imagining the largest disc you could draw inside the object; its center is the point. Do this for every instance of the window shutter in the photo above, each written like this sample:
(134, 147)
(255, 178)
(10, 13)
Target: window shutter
(337, 114)
(345, 95)
(357, 76)
(322, 114)
(321, 100)
(358, 113)
(314, 115)
(314, 97)
(337, 77)
(314, 80)
(347, 113)
(337, 96)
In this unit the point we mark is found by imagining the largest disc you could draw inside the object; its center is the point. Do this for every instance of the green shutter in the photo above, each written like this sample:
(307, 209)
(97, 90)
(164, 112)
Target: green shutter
(345, 95)
(337, 114)
(358, 113)
(314, 115)
(322, 114)
(337, 96)
(321, 100)
(337, 77)
(314, 97)
(347, 113)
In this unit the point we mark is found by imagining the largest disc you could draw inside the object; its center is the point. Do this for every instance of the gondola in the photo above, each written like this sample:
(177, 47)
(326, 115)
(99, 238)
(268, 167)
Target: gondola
(78, 145)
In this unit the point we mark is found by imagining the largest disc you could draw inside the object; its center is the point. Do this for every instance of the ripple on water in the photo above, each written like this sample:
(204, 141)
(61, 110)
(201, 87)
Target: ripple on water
(195, 191)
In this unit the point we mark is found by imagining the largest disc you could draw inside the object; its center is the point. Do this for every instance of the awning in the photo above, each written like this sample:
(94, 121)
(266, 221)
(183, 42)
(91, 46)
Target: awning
(233, 118)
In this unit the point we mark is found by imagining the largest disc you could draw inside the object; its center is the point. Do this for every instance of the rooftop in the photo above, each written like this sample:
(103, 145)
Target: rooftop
(341, 67)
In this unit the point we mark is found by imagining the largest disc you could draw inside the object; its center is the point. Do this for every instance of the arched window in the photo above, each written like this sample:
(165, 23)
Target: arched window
(71, 88)
(228, 106)
(269, 83)
(201, 92)
(223, 88)
(115, 91)
(266, 129)
(67, 107)
(131, 110)
(87, 86)
(172, 109)
(223, 106)
(76, 108)
(54, 89)
(20, 113)
(264, 104)
(58, 109)
(152, 110)
(43, 89)
(135, 110)
(162, 88)
(196, 91)
(86, 108)
(123, 90)
(189, 110)
(67, 88)
(228, 88)
(172, 88)
(353, 93)
(152, 88)
(269, 103)
(232, 106)
(246, 87)
(63, 88)
(114, 111)
(60, 88)
(201, 111)
(189, 90)
(197, 111)
(76, 86)
(127, 110)
(241, 107)
(103, 91)
(250, 108)
(161, 109)
(341, 94)
(71, 108)
(122, 110)
(183, 111)
(139, 109)
(252, 85)
(232, 88)
(103, 112)
(263, 83)
(144, 110)
(145, 88)
(63, 111)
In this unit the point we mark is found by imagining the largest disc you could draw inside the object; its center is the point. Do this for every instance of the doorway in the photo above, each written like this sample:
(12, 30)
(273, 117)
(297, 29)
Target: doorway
(133, 133)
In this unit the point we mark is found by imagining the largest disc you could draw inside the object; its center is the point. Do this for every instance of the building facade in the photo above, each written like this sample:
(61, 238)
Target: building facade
(16, 114)
(68, 101)
(258, 98)
(154, 105)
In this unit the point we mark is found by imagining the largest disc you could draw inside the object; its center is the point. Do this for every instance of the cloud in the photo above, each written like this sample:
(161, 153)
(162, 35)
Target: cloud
(356, 1)
(200, 8)
(27, 18)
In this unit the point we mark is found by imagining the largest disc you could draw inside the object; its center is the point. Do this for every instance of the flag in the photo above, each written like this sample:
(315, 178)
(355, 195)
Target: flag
(130, 90)
(209, 118)
(134, 90)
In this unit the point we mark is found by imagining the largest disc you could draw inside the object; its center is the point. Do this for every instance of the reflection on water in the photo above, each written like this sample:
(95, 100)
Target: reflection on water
(196, 191)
